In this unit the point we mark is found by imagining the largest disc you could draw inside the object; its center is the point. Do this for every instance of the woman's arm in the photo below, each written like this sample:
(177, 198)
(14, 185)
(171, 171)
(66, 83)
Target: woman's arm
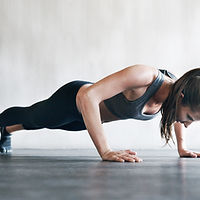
(91, 115)
(181, 143)
(131, 77)
(180, 136)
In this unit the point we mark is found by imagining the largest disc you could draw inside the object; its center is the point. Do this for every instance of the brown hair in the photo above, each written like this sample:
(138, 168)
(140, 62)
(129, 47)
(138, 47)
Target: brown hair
(189, 85)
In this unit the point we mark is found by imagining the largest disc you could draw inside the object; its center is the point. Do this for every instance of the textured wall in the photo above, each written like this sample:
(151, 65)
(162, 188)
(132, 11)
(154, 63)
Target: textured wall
(46, 43)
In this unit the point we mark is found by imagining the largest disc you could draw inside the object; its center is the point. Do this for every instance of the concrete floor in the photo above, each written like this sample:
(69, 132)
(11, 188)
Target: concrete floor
(80, 174)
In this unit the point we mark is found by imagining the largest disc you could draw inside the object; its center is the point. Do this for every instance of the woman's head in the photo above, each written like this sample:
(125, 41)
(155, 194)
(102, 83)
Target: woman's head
(182, 104)
(185, 115)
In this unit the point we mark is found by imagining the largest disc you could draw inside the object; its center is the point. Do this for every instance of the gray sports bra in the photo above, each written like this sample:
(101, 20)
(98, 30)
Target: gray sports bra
(123, 108)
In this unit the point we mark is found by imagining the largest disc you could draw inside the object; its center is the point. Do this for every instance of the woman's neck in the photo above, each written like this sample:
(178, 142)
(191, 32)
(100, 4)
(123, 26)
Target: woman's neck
(163, 92)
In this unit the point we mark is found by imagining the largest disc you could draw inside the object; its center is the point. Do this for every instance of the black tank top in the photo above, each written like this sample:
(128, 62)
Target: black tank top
(123, 108)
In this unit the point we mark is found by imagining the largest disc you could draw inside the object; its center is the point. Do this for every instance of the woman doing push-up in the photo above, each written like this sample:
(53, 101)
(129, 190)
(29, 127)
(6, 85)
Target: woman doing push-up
(138, 92)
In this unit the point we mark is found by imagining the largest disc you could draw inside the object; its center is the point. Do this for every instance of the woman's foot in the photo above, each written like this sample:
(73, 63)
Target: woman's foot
(5, 141)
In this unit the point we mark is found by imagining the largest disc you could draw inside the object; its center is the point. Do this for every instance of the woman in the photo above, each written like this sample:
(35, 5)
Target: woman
(137, 92)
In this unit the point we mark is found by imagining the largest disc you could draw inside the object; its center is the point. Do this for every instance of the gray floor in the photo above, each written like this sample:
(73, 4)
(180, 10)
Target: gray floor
(80, 174)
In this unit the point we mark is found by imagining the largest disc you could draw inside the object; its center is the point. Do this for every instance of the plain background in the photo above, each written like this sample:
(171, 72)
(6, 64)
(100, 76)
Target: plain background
(47, 43)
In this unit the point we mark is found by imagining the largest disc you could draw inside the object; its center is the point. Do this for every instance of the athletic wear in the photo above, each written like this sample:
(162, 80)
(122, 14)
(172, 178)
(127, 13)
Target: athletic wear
(167, 73)
(123, 108)
(59, 111)
(5, 142)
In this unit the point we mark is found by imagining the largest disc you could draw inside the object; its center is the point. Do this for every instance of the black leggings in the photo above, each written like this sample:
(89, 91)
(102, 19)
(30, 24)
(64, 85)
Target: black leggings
(59, 111)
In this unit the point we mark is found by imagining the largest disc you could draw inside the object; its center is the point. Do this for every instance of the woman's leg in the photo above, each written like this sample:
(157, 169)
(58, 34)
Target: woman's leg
(59, 109)
(55, 112)
(14, 128)
(73, 126)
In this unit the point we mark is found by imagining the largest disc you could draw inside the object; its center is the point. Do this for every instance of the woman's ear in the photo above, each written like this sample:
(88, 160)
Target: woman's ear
(182, 95)
(180, 98)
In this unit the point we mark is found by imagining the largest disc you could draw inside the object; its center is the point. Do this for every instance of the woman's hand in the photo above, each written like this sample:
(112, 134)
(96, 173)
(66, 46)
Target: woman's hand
(187, 153)
(121, 156)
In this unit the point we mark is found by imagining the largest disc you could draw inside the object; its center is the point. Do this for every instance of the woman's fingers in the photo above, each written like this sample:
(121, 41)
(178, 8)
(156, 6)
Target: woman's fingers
(131, 152)
(198, 154)
(116, 158)
(130, 158)
(193, 154)
(121, 156)
(188, 154)
(119, 159)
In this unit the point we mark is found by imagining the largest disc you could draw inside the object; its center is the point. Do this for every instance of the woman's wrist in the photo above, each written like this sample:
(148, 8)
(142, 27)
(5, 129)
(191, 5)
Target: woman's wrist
(181, 150)
(181, 147)
(105, 151)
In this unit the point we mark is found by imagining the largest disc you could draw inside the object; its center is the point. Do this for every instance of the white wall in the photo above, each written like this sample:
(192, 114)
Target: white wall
(46, 43)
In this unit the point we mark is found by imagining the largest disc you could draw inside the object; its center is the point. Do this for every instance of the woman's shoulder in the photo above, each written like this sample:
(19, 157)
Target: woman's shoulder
(145, 72)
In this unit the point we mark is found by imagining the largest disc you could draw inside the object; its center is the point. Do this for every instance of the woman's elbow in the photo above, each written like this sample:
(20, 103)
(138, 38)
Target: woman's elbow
(85, 99)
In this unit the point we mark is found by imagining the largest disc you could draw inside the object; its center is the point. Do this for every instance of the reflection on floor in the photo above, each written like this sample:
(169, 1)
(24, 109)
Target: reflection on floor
(80, 174)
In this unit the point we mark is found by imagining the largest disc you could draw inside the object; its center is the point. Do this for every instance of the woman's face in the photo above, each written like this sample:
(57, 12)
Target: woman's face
(185, 115)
